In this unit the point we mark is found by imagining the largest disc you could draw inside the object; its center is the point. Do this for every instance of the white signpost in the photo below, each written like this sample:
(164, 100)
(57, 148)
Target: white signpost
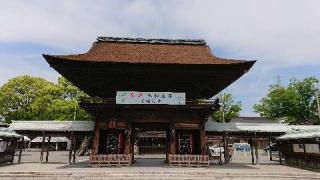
(135, 97)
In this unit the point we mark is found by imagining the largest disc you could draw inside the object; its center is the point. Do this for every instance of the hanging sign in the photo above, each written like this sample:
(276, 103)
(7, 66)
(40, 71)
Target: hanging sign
(135, 97)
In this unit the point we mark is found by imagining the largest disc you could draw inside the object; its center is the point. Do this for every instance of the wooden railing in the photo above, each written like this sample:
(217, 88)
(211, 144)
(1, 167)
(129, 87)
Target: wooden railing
(188, 160)
(110, 159)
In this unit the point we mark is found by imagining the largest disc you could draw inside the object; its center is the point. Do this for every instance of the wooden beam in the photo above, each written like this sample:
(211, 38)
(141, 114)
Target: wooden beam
(48, 147)
(42, 147)
(21, 147)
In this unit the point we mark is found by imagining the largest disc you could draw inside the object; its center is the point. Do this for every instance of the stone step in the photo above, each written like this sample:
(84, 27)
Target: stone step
(153, 175)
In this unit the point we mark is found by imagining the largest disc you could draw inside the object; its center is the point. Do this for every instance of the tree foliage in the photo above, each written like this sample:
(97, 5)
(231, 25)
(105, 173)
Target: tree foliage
(295, 103)
(32, 98)
(229, 108)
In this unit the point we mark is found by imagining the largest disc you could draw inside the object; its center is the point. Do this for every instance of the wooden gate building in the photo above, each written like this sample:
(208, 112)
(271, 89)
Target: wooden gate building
(149, 84)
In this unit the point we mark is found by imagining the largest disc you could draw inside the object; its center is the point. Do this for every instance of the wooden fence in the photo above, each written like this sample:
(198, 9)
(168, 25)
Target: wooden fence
(188, 160)
(110, 160)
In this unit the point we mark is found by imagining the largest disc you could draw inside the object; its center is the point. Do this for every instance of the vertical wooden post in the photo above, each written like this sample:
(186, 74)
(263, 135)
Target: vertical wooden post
(225, 148)
(128, 134)
(270, 151)
(172, 139)
(132, 141)
(280, 149)
(203, 138)
(256, 151)
(21, 147)
(74, 148)
(251, 147)
(168, 145)
(71, 146)
(48, 147)
(42, 147)
(96, 139)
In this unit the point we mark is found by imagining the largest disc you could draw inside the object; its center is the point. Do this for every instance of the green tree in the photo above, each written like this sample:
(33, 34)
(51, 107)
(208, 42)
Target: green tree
(229, 108)
(296, 103)
(32, 98)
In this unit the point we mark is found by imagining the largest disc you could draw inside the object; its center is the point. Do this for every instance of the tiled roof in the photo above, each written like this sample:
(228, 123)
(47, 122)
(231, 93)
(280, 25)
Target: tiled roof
(301, 134)
(3, 124)
(53, 139)
(7, 133)
(54, 126)
(149, 51)
(246, 127)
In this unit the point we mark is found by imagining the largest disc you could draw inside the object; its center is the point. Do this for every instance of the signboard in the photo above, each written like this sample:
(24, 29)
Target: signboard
(135, 97)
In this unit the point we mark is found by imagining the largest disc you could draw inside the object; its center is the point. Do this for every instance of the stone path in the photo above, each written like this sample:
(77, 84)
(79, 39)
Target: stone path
(148, 167)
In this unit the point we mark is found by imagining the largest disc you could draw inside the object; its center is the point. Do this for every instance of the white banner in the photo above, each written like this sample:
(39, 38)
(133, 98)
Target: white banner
(135, 97)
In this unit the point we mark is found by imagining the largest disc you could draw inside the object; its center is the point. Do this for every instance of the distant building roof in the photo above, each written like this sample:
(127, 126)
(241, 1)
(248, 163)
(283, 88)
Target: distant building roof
(3, 124)
(53, 126)
(7, 133)
(247, 127)
(301, 134)
(264, 128)
(252, 120)
(53, 139)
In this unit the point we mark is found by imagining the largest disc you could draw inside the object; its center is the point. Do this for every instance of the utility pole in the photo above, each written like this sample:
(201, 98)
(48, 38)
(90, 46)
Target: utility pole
(317, 98)
(75, 113)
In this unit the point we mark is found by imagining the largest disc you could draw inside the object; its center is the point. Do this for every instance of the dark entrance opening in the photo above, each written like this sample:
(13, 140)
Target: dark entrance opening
(151, 144)
(112, 142)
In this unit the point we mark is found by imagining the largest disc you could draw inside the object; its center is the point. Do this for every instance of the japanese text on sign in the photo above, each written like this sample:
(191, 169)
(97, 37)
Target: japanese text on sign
(135, 97)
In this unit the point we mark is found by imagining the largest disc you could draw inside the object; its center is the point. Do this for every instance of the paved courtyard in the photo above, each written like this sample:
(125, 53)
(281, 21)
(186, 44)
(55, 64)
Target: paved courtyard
(149, 167)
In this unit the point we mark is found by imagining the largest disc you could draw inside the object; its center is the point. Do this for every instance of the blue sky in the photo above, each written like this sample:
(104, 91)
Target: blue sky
(282, 35)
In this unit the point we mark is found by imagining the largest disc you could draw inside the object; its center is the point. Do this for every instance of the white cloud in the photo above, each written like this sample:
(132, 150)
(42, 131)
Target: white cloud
(278, 33)
(283, 32)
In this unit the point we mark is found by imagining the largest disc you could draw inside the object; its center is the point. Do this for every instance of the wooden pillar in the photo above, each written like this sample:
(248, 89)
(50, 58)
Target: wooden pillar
(42, 147)
(74, 148)
(48, 147)
(21, 147)
(203, 138)
(280, 149)
(172, 149)
(127, 142)
(96, 139)
(256, 151)
(251, 147)
(132, 141)
(168, 145)
(270, 151)
(225, 148)
(71, 146)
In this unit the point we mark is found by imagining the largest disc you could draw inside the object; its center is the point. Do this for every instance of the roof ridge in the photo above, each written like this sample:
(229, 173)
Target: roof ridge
(151, 40)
